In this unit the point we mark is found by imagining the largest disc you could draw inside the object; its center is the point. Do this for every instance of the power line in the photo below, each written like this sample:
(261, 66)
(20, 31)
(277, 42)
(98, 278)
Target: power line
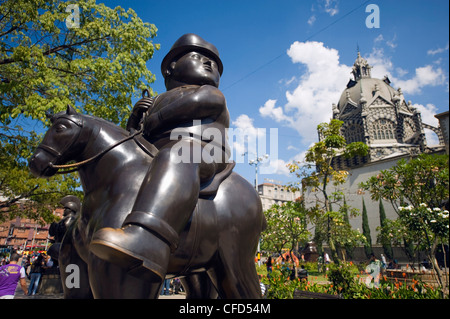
(307, 39)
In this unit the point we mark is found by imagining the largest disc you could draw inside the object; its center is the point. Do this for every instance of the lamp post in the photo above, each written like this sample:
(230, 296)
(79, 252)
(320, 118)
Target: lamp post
(256, 162)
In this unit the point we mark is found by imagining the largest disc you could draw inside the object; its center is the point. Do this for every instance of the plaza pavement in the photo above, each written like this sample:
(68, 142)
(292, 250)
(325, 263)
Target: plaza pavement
(20, 295)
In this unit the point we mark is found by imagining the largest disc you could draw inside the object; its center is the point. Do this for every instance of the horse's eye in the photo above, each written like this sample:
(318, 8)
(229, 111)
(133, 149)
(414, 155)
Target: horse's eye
(60, 127)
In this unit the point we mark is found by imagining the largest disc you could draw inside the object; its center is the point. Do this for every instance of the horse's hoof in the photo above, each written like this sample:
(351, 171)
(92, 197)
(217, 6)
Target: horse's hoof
(134, 249)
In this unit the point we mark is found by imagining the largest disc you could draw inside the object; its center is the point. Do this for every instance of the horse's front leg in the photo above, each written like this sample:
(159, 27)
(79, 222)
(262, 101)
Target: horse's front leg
(109, 281)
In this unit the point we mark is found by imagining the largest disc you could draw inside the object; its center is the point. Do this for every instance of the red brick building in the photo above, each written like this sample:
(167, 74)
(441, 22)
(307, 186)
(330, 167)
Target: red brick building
(25, 234)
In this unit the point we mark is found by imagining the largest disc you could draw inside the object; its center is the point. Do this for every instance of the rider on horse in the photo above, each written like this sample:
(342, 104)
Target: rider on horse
(169, 192)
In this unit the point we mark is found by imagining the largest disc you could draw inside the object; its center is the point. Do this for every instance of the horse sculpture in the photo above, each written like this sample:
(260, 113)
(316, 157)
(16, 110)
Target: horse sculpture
(215, 257)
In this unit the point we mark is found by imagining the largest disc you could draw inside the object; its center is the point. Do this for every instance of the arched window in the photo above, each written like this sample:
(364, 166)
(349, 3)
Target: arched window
(383, 129)
(353, 133)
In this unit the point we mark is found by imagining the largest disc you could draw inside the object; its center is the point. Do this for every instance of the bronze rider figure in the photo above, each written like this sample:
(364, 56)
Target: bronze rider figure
(170, 190)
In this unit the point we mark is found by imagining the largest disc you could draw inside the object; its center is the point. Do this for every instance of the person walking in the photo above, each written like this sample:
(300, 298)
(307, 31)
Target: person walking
(10, 275)
(269, 265)
(35, 275)
(165, 290)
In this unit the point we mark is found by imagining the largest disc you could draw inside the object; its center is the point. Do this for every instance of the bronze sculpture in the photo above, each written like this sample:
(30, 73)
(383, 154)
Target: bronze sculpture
(146, 215)
(72, 206)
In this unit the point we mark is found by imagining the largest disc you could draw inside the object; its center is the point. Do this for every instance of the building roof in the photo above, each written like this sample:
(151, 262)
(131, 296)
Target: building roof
(365, 89)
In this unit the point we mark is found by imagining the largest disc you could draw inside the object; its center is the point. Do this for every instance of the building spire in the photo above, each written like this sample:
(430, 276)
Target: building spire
(361, 69)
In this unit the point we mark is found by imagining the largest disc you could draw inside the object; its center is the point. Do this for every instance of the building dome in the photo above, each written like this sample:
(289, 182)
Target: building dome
(364, 89)
(376, 114)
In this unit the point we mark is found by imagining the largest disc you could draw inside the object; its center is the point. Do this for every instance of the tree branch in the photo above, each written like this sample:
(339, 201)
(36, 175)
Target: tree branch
(57, 49)
(8, 203)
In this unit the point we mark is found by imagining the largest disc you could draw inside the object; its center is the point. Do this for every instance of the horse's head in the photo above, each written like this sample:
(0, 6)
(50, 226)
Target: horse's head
(62, 142)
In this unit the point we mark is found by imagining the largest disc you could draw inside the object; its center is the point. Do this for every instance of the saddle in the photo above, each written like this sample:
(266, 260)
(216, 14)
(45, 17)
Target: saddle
(208, 189)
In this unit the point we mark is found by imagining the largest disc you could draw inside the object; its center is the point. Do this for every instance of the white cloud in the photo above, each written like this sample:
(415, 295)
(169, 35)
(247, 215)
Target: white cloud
(312, 19)
(427, 113)
(328, 6)
(321, 85)
(287, 82)
(427, 75)
(277, 166)
(381, 65)
(276, 113)
(244, 122)
(378, 38)
(247, 139)
(331, 7)
(438, 50)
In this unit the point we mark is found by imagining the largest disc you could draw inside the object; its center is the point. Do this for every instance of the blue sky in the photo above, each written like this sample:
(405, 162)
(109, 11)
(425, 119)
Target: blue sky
(287, 61)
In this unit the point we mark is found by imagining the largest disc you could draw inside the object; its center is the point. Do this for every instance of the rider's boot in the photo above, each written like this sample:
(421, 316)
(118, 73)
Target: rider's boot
(164, 204)
(143, 253)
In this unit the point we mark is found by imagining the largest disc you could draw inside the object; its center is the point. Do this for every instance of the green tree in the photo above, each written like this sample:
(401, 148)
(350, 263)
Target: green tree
(385, 241)
(411, 182)
(286, 226)
(349, 247)
(97, 66)
(417, 190)
(317, 171)
(366, 231)
(17, 185)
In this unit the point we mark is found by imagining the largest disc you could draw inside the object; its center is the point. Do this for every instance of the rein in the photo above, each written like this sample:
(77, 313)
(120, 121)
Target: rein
(77, 165)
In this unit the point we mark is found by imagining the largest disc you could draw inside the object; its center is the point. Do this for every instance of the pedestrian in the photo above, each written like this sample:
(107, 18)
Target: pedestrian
(48, 261)
(303, 273)
(165, 287)
(326, 258)
(383, 261)
(10, 275)
(320, 263)
(35, 274)
(269, 265)
(263, 287)
(374, 272)
(176, 283)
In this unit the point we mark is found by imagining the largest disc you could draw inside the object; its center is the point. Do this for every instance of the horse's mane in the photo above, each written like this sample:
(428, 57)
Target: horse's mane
(100, 121)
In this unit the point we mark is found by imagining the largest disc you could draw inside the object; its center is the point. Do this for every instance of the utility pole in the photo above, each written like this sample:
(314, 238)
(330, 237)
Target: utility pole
(256, 162)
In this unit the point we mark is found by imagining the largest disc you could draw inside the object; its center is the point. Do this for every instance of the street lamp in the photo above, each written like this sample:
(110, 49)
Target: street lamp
(256, 162)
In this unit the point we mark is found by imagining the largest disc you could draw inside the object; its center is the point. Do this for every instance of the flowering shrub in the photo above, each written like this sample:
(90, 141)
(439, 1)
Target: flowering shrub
(343, 282)
(281, 287)
(341, 278)
(424, 219)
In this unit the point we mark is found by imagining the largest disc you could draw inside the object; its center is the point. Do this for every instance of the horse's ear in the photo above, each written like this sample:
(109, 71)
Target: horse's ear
(70, 110)
(50, 116)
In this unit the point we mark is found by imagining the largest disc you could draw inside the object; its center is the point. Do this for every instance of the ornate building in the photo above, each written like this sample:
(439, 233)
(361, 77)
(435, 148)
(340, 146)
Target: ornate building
(378, 115)
(375, 113)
